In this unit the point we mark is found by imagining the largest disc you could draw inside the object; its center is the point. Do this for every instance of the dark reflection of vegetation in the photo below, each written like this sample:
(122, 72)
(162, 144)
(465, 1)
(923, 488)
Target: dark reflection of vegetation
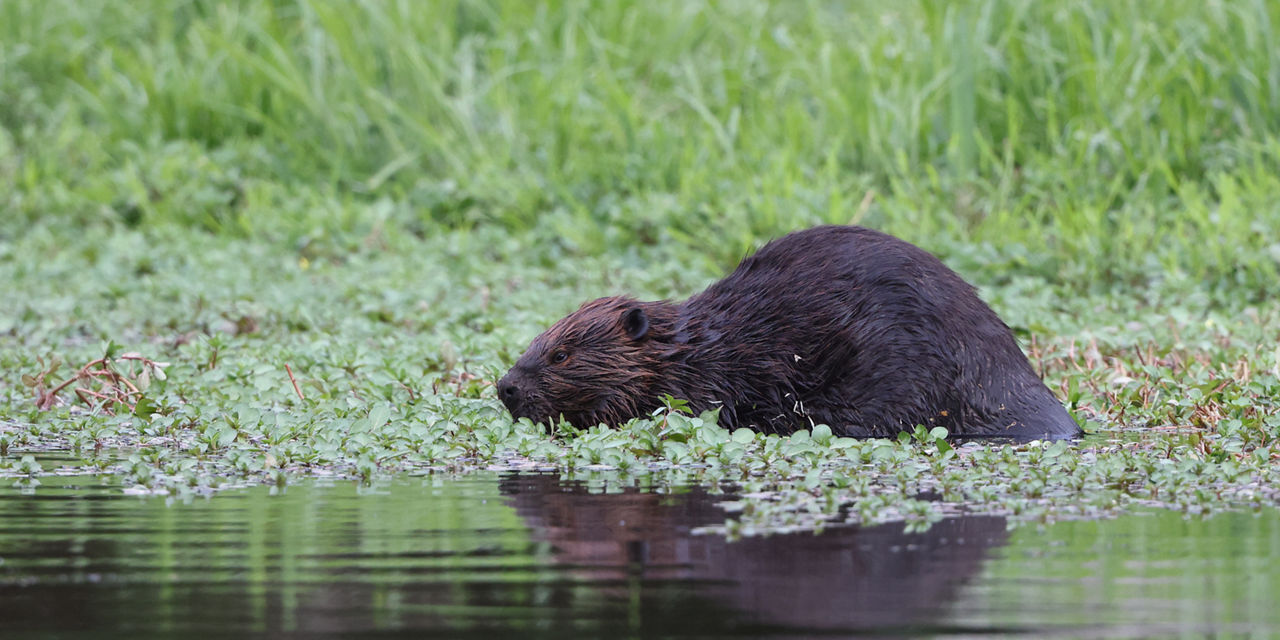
(452, 555)
(422, 554)
(530, 555)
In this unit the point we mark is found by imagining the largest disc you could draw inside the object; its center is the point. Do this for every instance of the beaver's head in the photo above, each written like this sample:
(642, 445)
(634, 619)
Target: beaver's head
(597, 365)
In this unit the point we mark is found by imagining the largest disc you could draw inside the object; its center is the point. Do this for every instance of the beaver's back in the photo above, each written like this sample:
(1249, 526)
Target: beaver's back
(867, 333)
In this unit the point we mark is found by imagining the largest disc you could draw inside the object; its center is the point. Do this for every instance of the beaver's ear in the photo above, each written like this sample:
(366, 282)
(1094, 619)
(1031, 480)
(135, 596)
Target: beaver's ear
(635, 323)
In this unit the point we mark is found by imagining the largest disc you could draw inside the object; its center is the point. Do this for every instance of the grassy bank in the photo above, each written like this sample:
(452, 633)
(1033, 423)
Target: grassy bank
(1087, 143)
(392, 198)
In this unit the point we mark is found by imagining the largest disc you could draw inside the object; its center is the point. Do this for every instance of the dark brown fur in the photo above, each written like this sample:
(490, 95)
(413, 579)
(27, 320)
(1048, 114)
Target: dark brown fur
(842, 326)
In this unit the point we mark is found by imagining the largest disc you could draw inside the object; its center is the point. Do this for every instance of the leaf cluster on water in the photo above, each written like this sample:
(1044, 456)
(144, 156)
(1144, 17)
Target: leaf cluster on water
(394, 373)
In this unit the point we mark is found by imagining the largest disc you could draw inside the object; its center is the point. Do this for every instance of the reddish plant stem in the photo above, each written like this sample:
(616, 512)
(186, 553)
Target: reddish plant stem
(294, 380)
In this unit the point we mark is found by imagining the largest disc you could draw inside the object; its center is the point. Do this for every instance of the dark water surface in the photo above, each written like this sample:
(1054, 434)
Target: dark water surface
(494, 556)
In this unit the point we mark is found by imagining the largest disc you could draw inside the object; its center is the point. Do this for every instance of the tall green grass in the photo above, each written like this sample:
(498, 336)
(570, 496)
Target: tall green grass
(1087, 141)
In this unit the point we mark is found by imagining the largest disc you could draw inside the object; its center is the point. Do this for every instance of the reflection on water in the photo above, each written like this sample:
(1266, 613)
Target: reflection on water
(638, 548)
(531, 556)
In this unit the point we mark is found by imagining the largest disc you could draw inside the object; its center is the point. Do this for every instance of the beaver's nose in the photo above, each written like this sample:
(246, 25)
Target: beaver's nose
(509, 393)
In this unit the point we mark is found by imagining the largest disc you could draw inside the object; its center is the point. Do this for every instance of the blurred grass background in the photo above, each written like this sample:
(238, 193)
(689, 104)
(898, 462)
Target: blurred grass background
(1098, 145)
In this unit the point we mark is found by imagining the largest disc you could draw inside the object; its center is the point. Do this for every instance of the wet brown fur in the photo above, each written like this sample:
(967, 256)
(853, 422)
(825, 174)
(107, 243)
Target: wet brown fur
(841, 326)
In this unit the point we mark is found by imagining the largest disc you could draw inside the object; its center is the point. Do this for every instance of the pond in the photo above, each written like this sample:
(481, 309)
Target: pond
(528, 555)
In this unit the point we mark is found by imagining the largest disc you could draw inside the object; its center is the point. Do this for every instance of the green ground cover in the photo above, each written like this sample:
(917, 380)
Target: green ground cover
(391, 199)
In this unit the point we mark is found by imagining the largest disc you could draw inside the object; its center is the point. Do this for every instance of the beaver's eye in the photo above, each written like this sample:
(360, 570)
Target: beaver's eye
(558, 356)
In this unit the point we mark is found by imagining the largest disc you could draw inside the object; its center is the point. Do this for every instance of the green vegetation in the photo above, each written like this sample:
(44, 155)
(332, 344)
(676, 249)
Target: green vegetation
(390, 199)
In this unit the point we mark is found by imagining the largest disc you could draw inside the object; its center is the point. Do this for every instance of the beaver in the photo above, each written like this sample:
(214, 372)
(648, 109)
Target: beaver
(837, 325)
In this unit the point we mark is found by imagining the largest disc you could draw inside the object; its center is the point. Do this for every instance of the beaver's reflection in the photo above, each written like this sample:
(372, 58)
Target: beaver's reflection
(640, 546)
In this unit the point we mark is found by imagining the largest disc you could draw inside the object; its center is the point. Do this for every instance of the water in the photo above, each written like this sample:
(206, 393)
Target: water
(492, 555)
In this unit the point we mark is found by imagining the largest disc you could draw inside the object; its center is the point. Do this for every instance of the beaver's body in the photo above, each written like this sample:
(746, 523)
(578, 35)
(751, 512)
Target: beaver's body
(842, 326)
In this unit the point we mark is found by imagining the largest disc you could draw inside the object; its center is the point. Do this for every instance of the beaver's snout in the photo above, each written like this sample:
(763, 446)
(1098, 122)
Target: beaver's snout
(511, 394)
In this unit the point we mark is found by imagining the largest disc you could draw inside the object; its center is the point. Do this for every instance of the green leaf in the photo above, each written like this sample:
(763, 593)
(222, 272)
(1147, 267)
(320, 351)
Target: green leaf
(821, 434)
(144, 408)
(675, 405)
(379, 415)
